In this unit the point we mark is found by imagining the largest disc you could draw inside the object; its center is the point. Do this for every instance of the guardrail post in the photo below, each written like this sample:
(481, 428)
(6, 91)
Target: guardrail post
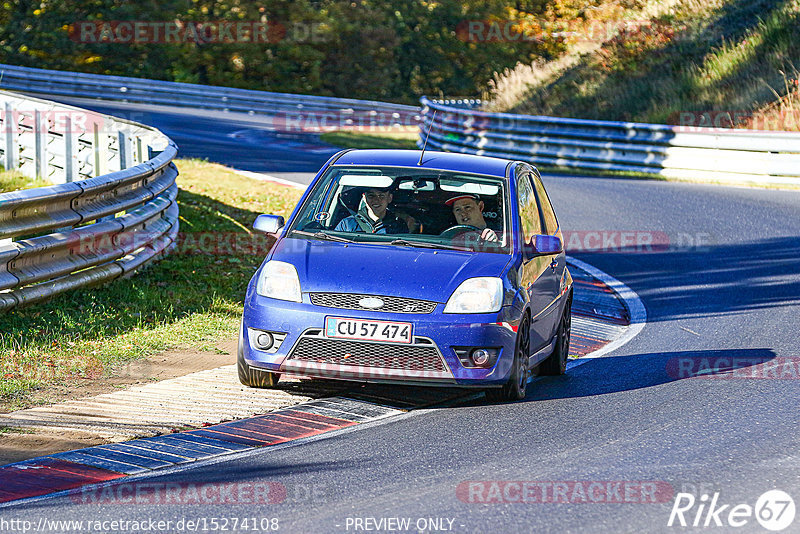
(70, 152)
(9, 128)
(100, 150)
(152, 152)
(125, 154)
(139, 153)
(40, 152)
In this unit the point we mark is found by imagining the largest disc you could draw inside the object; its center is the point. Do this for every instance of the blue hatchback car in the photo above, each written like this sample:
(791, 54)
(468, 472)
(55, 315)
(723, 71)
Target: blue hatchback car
(433, 269)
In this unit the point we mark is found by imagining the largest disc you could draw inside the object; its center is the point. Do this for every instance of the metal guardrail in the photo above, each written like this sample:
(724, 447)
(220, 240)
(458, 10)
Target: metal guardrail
(93, 225)
(671, 151)
(143, 91)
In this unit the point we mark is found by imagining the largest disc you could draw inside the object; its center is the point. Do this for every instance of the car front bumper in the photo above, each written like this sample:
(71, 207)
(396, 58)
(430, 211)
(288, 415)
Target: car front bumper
(431, 358)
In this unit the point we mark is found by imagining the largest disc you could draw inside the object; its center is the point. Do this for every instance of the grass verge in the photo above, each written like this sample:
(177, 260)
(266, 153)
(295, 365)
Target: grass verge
(15, 180)
(192, 298)
(718, 56)
(4, 430)
(356, 139)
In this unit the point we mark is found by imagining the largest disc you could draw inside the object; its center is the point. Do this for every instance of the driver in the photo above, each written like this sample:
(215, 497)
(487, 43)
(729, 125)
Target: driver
(374, 217)
(468, 210)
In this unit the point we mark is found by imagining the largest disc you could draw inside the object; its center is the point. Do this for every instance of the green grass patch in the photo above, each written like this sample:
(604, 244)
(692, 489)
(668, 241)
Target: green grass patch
(15, 180)
(12, 430)
(718, 56)
(355, 139)
(190, 299)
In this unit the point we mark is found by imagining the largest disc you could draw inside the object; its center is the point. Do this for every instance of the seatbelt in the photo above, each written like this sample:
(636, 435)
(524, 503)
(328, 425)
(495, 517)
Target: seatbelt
(366, 223)
(361, 220)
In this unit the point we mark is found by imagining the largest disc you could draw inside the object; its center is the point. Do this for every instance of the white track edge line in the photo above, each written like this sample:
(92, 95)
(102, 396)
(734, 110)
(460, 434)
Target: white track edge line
(269, 178)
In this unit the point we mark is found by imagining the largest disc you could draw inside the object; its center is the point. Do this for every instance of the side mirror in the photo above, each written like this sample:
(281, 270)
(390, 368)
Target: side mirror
(547, 244)
(269, 224)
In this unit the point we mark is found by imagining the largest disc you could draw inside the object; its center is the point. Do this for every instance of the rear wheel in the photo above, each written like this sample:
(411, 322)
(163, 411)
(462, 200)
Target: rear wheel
(517, 384)
(250, 376)
(556, 363)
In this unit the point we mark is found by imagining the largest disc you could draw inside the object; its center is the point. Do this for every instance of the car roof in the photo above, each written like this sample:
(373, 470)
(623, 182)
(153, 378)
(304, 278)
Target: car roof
(444, 161)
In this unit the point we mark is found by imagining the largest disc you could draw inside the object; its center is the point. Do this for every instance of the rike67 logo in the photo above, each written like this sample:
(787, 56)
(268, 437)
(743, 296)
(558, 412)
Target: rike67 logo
(774, 510)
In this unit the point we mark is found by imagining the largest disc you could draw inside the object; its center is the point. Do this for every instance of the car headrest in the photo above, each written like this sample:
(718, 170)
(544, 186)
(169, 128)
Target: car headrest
(352, 196)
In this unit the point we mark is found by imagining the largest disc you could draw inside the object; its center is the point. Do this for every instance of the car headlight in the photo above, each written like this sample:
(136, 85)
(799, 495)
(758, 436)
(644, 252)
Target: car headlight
(476, 295)
(279, 280)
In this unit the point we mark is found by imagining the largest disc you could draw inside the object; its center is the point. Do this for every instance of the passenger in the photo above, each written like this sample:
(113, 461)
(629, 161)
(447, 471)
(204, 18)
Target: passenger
(468, 210)
(375, 217)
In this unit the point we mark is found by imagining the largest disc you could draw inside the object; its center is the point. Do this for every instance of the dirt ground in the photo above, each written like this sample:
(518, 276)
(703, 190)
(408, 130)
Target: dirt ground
(16, 446)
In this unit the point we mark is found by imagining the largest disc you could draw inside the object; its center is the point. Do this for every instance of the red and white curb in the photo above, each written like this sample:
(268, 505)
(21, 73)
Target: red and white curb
(608, 329)
(24, 481)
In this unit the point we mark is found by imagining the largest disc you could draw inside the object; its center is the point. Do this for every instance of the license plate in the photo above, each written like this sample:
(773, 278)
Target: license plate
(391, 332)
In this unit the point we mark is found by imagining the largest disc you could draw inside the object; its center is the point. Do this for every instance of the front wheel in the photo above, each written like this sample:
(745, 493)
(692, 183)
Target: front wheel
(556, 363)
(517, 384)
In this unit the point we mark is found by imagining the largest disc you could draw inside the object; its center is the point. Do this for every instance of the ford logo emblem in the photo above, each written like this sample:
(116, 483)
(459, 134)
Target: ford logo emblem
(370, 303)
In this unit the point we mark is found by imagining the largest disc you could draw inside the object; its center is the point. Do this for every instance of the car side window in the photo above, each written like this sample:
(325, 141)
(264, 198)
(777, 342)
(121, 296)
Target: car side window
(528, 210)
(550, 221)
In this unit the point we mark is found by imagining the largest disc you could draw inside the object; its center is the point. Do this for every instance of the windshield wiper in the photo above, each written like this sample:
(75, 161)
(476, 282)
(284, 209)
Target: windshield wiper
(323, 235)
(424, 244)
(397, 242)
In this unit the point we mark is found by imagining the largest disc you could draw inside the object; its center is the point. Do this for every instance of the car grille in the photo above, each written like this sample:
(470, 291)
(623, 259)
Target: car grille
(364, 354)
(349, 301)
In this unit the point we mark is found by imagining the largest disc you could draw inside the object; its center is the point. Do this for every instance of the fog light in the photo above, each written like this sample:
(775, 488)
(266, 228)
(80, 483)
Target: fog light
(480, 357)
(264, 341)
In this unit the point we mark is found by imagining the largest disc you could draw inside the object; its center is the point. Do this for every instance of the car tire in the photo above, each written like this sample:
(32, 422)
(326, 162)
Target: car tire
(252, 377)
(517, 385)
(556, 363)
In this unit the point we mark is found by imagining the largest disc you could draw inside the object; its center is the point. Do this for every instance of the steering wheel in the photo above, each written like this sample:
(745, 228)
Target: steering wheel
(459, 229)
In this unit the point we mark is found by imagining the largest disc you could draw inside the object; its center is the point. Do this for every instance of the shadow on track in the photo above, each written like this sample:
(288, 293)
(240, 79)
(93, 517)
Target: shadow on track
(615, 374)
(602, 376)
(709, 280)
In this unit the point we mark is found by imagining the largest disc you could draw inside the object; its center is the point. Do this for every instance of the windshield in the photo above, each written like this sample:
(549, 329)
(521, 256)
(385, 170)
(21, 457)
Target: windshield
(407, 207)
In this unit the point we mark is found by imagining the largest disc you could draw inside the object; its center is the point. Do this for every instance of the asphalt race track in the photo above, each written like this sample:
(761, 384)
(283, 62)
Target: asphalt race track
(721, 285)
